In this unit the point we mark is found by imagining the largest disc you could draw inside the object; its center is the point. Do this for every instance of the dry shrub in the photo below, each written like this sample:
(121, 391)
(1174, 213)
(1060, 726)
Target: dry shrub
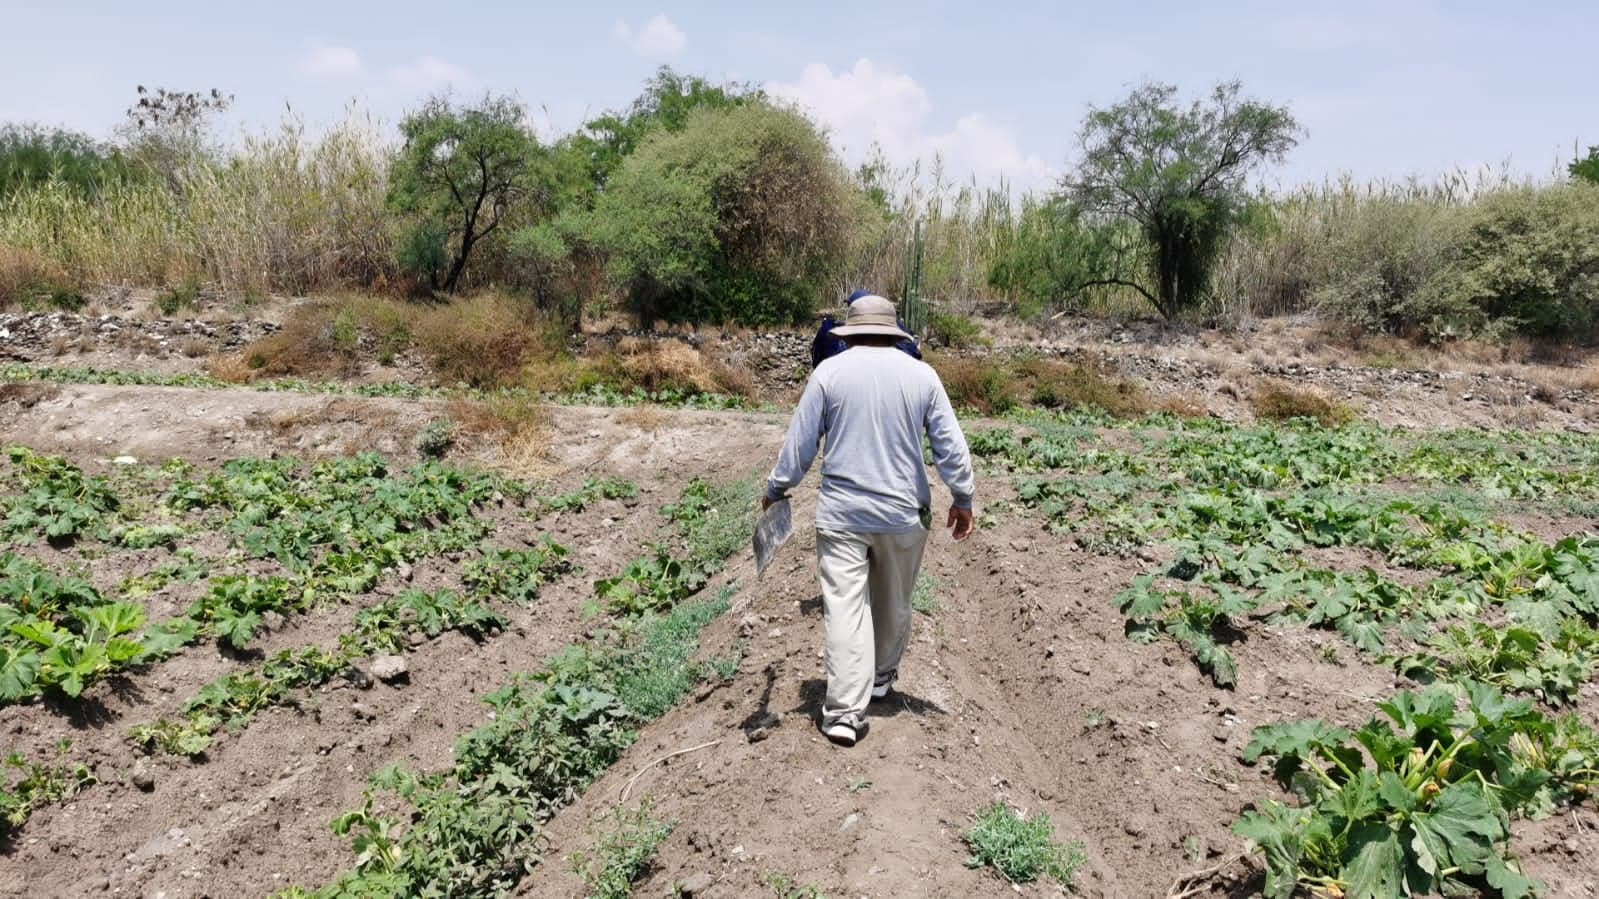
(1182, 405)
(483, 341)
(994, 384)
(980, 383)
(230, 367)
(514, 434)
(21, 272)
(638, 363)
(1070, 385)
(317, 340)
(387, 320)
(674, 365)
(1277, 401)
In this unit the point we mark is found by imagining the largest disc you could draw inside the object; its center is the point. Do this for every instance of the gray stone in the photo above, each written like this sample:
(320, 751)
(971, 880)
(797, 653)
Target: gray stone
(389, 668)
(696, 885)
(142, 777)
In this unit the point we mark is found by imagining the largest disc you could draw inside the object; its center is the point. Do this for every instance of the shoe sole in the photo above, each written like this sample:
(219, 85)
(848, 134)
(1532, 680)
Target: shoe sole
(846, 740)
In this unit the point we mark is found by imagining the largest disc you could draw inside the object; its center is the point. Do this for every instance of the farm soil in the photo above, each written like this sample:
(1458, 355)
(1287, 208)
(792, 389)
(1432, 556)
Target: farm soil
(1020, 686)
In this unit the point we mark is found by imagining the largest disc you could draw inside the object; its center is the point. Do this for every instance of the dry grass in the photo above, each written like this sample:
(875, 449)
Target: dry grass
(319, 340)
(22, 272)
(482, 341)
(994, 384)
(643, 418)
(1277, 401)
(513, 435)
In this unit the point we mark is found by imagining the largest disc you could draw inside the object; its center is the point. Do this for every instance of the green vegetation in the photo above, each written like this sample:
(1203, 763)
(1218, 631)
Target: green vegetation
(387, 627)
(1419, 799)
(1021, 849)
(595, 395)
(232, 700)
(623, 854)
(1420, 802)
(1179, 177)
(688, 205)
(702, 224)
(474, 828)
(35, 785)
(784, 887)
(591, 491)
(459, 172)
(924, 595)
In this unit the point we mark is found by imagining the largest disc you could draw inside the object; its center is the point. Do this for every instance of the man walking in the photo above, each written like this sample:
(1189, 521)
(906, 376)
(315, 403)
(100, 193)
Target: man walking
(871, 404)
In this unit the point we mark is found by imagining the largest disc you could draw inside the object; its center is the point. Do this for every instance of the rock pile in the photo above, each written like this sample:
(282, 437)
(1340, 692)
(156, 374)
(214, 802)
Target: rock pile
(30, 336)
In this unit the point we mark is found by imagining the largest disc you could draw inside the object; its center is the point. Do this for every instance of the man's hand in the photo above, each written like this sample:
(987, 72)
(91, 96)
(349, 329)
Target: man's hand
(961, 521)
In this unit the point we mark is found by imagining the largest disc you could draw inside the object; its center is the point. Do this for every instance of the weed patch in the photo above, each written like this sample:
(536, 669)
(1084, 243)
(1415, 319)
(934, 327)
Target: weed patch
(1275, 401)
(1021, 849)
(623, 853)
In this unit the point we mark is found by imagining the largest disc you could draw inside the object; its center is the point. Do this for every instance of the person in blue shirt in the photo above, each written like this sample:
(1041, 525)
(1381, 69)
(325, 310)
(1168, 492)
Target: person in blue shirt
(826, 344)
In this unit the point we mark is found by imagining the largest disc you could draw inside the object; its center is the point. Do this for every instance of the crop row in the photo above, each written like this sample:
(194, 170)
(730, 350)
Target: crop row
(473, 830)
(333, 530)
(1419, 800)
(231, 701)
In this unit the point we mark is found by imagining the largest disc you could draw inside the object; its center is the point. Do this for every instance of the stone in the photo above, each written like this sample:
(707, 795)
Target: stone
(389, 668)
(142, 777)
(695, 885)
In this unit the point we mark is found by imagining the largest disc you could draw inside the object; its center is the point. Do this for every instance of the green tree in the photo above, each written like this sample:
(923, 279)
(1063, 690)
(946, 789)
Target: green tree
(741, 216)
(1586, 168)
(458, 175)
(664, 105)
(1180, 175)
(31, 156)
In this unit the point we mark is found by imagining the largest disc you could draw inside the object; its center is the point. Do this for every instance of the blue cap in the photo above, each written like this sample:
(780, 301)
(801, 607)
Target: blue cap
(857, 295)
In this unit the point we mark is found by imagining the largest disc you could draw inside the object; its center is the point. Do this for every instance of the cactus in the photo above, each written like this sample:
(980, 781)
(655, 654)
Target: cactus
(913, 308)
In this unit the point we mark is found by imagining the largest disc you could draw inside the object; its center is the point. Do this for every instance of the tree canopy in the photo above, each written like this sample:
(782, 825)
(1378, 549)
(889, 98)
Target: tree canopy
(743, 215)
(457, 175)
(1180, 173)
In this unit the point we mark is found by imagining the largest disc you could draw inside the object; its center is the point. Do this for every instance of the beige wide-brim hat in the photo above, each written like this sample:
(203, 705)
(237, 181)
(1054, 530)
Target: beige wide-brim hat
(868, 315)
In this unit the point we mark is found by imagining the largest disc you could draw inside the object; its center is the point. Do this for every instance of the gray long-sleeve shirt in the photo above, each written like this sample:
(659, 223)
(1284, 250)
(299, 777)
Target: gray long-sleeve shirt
(871, 405)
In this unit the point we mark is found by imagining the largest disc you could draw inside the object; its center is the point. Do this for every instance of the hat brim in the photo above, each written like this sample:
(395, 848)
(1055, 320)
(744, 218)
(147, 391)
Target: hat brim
(870, 331)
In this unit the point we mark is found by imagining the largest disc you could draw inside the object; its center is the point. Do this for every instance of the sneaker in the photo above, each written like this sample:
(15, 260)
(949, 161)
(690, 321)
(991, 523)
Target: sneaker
(884, 684)
(844, 734)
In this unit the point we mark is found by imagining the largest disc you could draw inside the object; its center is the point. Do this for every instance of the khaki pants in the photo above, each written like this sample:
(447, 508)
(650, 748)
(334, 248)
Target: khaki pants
(866, 599)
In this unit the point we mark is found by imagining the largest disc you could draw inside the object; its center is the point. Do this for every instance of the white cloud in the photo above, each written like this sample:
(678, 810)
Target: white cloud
(328, 61)
(658, 39)
(430, 73)
(868, 105)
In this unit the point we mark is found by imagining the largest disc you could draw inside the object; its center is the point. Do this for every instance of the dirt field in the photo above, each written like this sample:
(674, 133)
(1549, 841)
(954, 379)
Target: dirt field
(1019, 686)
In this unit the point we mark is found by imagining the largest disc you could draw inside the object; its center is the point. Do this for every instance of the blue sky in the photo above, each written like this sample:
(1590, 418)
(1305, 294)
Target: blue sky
(1384, 90)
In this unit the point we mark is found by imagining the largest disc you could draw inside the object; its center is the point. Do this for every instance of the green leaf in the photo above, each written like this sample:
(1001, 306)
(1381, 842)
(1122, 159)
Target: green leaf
(1357, 799)
(19, 670)
(1376, 870)
(1279, 832)
(1511, 883)
(1458, 831)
